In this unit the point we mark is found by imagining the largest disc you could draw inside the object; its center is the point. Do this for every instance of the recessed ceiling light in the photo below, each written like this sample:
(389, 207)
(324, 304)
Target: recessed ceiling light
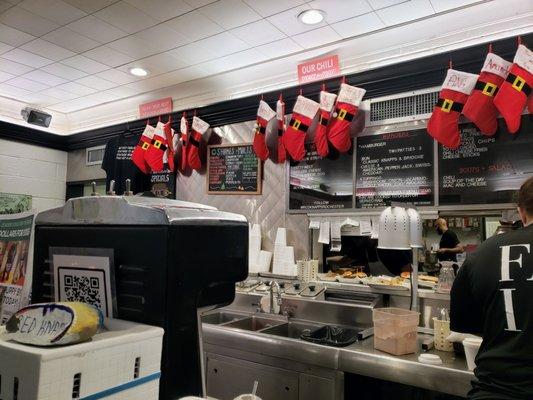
(311, 17)
(138, 71)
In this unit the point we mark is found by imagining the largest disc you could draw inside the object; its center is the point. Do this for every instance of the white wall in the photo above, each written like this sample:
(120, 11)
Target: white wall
(33, 170)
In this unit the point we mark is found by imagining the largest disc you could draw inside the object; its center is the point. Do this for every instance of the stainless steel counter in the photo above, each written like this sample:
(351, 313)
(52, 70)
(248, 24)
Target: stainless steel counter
(361, 358)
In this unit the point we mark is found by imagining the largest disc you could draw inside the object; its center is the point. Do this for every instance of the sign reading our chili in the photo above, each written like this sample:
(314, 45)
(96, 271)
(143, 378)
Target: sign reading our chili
(233, 169)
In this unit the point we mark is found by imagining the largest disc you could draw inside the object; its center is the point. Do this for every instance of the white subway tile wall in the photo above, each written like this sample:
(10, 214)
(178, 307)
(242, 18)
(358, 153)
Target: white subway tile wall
(33, 170)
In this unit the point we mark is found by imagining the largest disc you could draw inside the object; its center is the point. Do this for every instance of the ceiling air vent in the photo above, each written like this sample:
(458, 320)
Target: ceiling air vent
(402, 107)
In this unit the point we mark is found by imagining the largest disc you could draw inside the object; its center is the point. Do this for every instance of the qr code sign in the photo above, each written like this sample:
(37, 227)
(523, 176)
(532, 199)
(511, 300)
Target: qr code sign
(85, 285)
(84, 289)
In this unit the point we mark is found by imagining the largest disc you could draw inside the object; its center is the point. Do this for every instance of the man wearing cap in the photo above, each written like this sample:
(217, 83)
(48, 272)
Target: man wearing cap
(492, 297)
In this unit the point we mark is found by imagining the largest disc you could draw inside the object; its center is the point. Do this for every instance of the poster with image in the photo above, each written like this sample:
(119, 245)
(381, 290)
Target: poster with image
(15, 236)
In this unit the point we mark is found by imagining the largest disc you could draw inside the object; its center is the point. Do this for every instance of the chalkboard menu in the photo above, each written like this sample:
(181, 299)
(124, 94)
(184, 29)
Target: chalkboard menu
(396, 166)
(233, 169)
(321, 183)
(486, 169)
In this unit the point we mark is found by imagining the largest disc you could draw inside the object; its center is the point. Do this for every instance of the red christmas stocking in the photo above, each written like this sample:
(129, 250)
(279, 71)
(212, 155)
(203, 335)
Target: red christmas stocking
(167, 129)
(184, 132)
(443, 124)
(327, 102)
(154, 154)
(479, 107)
(138, 154)
(345, 111)
(264, 115)
(199, 127)
(512, 96)
(303, 113)
(530, 104)
(280, 117)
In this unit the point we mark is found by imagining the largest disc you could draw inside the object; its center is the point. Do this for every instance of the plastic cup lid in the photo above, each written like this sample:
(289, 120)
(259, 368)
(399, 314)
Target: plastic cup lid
(427, 358)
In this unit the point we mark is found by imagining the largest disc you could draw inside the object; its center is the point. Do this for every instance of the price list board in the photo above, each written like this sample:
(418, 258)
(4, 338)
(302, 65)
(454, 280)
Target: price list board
(233, 169)
(395, 166)
(486, 170)
(318, 183)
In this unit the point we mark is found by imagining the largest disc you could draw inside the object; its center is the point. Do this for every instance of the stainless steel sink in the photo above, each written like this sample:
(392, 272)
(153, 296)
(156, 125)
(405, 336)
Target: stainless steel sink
(292, 329)
(255, 323)
(222, 317)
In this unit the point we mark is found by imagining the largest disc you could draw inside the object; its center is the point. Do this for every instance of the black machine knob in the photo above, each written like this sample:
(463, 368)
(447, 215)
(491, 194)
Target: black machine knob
(312, 288)
(297, 286)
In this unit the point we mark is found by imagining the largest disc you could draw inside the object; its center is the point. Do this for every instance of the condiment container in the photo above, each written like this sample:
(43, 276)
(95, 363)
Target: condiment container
(395, 330)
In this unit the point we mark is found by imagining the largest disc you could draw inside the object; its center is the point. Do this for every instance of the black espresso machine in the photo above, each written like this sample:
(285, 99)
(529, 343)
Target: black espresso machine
(171, 259)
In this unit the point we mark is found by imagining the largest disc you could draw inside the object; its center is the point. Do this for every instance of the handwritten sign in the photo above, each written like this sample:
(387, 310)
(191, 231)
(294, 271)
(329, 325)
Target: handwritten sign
(318, 69)
(156, 107)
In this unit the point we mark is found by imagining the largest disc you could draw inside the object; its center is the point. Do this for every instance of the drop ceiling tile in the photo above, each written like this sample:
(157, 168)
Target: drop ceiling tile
(158, 64)
(4, 76)
(192, 53)
(194, 25)
(280, 48)
(95, 82)
(13, 67)
(90, 6)
(269, 7)
(25, 21)
(64, 71)
(198, 3)
(440, 6)
(38, 99)
(233, 61)
(70, 40)
(341, 10)
(13, 36)
(12, 91)
(44, 77)
(230, 13)
(288, 21)
(46, 49)
(85, 64)
(122, 91)
(223, 44)
(133, 47)
(318, 37)
(76, 88)
(5, 47)
(406, 12)
(161, 37)
(258, 33)
(108, 56)
(59, 94)
(27, 84)
(126, 17)
(378, 4)
(27, 58)
(118, 77)
(96, 29)
(4, 5)
(54, 10)
(358, 25)
(162, 10)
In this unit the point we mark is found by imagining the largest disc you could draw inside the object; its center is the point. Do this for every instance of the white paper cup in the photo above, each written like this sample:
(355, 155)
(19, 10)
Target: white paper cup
(471, 346)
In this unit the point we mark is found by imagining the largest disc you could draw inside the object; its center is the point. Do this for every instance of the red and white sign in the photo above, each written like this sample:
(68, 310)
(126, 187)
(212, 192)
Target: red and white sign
(318, 69)
(156, 107)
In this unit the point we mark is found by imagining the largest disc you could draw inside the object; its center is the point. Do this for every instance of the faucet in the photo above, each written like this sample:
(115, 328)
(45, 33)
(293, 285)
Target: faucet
(275, 284)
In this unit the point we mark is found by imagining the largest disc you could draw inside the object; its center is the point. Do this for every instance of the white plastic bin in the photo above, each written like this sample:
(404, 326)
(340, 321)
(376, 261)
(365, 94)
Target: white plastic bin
(395, 330)
(122, 362)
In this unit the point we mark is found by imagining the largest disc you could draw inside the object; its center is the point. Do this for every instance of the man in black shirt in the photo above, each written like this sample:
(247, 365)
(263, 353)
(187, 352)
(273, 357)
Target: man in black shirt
(449, 243)
(492, 296)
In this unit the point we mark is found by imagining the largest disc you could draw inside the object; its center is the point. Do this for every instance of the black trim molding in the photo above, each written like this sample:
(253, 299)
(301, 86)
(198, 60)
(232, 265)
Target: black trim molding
(406, 76)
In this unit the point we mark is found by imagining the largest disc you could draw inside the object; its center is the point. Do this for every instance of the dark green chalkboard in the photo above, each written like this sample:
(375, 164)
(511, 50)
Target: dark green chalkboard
(233, 169)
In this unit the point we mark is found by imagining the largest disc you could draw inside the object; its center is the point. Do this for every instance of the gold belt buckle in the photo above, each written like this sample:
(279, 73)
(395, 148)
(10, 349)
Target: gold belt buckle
(145, 145)
(519, 83)
(447, 105)
(342, 114)
(296, 124)
(489, 89)
(157, 144)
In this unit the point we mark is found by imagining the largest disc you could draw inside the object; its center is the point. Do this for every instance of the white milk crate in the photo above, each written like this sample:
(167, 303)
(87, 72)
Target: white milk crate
(122, 362)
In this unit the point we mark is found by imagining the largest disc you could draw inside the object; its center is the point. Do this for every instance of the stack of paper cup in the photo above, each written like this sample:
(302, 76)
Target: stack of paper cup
(283, 255)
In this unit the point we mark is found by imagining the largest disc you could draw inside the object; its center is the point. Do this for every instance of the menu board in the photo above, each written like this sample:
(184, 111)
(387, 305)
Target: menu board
(321, 183)
(396, 166)
(486, 170)
(233, 169)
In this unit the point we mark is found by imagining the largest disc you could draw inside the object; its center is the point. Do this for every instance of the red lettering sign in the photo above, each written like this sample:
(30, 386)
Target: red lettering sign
(156, 107)
(318, 69)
